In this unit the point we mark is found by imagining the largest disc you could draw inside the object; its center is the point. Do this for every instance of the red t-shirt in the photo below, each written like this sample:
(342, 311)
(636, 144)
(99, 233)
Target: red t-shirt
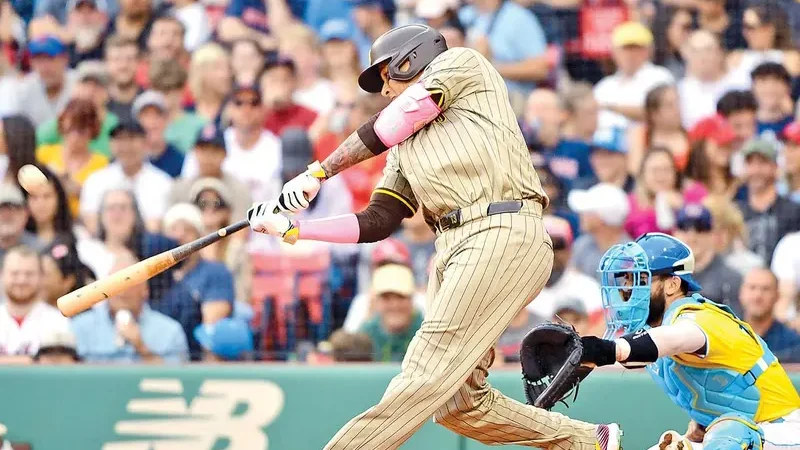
(291, 116)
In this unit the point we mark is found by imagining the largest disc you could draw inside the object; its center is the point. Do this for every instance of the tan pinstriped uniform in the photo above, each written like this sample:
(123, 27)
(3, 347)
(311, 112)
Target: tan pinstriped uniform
(486, 270)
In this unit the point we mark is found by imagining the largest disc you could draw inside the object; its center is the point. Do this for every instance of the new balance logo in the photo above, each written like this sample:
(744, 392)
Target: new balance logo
(236, 412)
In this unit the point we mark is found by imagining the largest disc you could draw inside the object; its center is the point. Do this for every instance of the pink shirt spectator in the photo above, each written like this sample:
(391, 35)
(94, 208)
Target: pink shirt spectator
(641, 219)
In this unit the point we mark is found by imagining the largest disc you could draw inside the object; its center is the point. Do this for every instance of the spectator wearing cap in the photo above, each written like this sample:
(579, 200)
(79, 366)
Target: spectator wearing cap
(608, 153)
(24, 317)
(278, 84)
(210, 81)
(372, 18)
(312, 91)
(622, 95)
(340, 56)
(706, 79)
(661, 128)
(72, 160)
(92, 85)
(759, 296)
(150, 109)
(708, 170)
(125, 329)
(197, 28)
(388, 251)
(203, 291)
(134, 20)
(62, 271)
(603, 209)
(169, 78)
(130, 169)
(510, 341)
(396, 319)
(580, 106)
(121, 58)
(739, 109)
(542, 127)
(47, 89)
(13, 217)
(494, 28)
(57, 347)
(214, 199)
(227, 339)
(772, 88)
(730, 235)
(565, 281)
(656, 196)
(247, 61)
(695, 226)
(789, 186)
(769, 216)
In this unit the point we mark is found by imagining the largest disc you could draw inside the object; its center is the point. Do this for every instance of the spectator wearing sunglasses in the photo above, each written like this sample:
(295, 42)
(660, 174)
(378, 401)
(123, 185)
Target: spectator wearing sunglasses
(720, 282)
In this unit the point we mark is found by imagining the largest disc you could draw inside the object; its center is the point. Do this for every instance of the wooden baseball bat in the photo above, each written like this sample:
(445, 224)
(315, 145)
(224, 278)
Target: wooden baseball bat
(91, 294)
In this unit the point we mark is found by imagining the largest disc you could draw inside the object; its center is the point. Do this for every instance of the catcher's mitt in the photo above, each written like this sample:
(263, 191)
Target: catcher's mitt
(551, 364)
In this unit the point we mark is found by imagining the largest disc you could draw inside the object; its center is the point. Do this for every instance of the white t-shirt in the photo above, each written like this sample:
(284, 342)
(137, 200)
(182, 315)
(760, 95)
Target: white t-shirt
(698, 99)
(571, 285)
(619, 90)
(16, 339)
(786, 259)
(359, 311)
(320, 97)
(197, 24)
(150, 185)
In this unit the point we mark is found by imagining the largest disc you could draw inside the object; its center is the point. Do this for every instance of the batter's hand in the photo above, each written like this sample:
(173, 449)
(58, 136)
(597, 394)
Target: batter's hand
(263, 219)
(298, 192)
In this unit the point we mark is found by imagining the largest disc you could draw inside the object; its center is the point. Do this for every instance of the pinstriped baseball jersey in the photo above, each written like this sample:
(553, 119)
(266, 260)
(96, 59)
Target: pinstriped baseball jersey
(473, 152)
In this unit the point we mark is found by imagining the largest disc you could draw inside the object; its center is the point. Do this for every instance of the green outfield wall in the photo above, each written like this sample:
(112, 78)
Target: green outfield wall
(254, 407)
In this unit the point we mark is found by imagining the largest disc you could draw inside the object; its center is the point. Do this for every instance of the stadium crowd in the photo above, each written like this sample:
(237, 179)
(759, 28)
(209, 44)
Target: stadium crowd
(159, 121)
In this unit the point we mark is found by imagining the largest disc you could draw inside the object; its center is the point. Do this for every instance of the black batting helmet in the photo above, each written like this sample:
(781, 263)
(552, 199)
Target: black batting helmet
(418, 44)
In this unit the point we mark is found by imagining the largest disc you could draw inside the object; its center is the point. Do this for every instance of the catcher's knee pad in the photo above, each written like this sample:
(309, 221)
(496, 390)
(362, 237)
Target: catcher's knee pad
(733, 432)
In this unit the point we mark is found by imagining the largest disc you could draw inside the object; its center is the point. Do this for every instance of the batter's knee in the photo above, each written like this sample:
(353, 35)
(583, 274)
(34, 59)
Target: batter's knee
(464, 414)
(733, 432)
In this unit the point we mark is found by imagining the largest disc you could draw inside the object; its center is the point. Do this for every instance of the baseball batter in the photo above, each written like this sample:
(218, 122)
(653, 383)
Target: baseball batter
(456, 152)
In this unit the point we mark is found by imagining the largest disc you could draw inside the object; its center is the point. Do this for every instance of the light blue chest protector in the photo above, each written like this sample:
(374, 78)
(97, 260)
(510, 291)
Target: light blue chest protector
(709, 393)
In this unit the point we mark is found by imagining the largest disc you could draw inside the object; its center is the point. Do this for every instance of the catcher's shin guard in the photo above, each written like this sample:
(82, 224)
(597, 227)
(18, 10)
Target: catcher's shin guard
(733, 432)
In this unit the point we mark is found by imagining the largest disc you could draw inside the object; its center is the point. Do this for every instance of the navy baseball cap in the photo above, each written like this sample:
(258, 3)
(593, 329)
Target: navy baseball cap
(335, 29)
(694, 216)
(229, 338)
(212, 136)
(47, 45)
(126, 126)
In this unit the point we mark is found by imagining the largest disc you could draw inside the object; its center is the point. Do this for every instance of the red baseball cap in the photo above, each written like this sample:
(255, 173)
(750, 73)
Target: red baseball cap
(792, 132)
(391, 250)
(714, 128)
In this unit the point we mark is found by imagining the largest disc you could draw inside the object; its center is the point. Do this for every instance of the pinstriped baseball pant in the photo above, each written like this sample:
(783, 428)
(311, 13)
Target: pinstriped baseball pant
(487, 270)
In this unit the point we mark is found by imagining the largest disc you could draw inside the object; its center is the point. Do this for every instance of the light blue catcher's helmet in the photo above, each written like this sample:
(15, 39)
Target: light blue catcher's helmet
(625, 272)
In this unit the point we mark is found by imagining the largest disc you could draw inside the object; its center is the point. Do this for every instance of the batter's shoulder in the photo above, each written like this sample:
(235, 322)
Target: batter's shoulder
(457, 57)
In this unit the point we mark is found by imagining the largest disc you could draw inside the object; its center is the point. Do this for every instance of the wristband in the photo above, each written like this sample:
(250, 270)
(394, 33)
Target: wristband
(643, 349)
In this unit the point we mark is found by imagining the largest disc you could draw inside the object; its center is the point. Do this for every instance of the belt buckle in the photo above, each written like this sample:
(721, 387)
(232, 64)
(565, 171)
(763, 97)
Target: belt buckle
(450, 220)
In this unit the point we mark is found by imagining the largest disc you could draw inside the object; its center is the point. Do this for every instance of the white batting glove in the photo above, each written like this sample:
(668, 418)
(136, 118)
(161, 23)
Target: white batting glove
(263, 219)
(298, 192)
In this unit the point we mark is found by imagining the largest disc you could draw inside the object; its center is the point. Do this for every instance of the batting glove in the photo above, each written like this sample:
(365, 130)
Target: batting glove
(263, 219)
(298, 192)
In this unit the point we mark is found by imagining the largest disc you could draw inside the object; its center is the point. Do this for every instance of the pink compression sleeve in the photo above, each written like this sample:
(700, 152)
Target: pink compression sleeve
(342, 229)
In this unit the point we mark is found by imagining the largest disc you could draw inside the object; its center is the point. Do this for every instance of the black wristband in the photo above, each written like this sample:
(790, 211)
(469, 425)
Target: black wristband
(598, 351)
(643, 349)
(370, 139)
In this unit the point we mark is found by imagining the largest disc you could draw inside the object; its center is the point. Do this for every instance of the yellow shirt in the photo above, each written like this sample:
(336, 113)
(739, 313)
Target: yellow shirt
(731, 345)
(51, 156)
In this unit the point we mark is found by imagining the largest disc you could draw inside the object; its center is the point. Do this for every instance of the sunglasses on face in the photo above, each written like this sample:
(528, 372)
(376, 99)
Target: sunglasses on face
(214, 205)
(699, 225)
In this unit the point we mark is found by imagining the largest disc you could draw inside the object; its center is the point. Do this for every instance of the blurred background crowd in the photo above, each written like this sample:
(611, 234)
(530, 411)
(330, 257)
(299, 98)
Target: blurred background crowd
(158, 121)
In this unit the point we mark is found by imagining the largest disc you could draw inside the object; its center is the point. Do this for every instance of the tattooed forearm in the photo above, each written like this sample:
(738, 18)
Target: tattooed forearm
(351, 152)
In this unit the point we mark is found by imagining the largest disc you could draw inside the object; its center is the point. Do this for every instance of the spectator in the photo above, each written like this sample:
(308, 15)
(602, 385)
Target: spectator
(340, 55)
(47, 89)
(214, 200)
(350, 347)
(772, 88)
(210, 80)
(59, 10)
(121, 57)
(706, 79)
(169, 79)
(87, 21)
(558, 199)
(768, 216)
(622, 95)
(739, 109)
(493, 29)
(786, 267)
(608, 158)
(210, 154)
(72, 160)
(278, 84)
(62, 271)
(419, 239)
(769, 39)
(247, 61)
(203, 291)
(657, 194)
(13, 216)
(92, 82)
(790, 185)
(714, 17)
(124, 329)
(759, 295)
(57, 347)
(130, 169)
(165, 42)
(581, 110)
(573, 312)
(565, 281)
(134, 21)
(730, 235)
(150, 109)
(226, 340)
(246, 19)
(23, 316)
(671, 30)
(197, 29)
(603, 209)
(17, 146)
(510, 341)
(372, 18)
(443, 15)
(709, 168)
(49, 217)
(719, 281)
(661, 128)
(396, 320)
(312, 91)
(9, 84)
